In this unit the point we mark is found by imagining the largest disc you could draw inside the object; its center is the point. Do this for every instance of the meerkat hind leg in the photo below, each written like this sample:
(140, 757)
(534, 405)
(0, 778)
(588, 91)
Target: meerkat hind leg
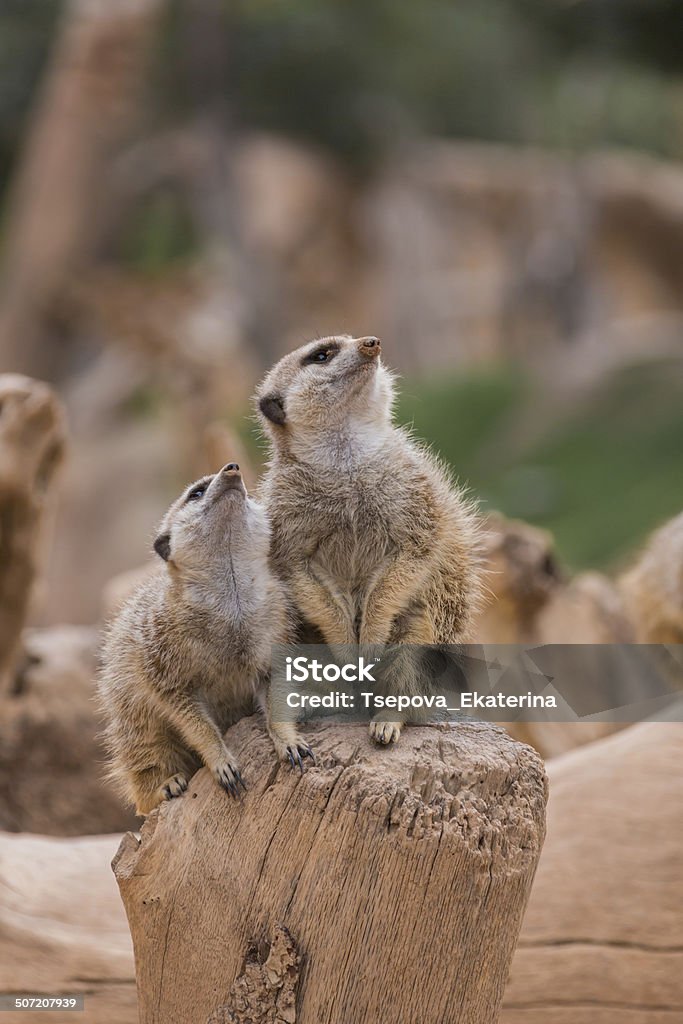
(155, 785)
(385, 732)
(174, 786)
(414, 627)
(285, 737)
(288, 744)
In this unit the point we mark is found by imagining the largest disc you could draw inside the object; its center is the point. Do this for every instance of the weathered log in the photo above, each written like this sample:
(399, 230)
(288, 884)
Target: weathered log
(383, 885)
(63, 929)
(32, 439)
(602, 941)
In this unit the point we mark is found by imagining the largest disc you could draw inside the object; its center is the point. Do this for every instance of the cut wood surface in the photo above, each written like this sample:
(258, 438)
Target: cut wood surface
(383, 885)
(602, 941)
(63, 929)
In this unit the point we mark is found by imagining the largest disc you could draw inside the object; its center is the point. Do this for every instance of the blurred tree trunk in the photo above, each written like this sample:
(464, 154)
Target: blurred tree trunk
(32, 441)
(87, 102)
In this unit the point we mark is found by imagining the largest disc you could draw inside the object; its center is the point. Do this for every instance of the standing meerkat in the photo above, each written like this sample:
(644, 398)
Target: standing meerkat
(374, 541)
(191, 648)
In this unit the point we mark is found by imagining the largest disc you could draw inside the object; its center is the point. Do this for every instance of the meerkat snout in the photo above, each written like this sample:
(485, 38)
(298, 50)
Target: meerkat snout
(231, 478)
(369, 347)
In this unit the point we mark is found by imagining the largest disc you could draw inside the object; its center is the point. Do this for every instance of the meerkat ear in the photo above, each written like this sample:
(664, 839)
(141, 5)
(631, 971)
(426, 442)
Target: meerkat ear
(273, 408)
(162, 546)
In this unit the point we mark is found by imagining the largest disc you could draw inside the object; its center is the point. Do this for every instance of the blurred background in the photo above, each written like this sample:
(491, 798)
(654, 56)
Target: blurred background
(190, 188)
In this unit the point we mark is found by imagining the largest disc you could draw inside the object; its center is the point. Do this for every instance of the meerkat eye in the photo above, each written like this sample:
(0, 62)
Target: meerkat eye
(321, 355)
(196, 493)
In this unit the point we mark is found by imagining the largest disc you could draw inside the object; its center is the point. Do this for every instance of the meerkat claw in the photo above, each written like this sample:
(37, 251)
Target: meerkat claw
(173, 787)
(228, 778)
(295, 752)
(385, 732)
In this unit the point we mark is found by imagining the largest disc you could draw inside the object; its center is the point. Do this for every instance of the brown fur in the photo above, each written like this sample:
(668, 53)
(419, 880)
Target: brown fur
(522, 576)
(191, 649)
(375, 543)
(653, 588)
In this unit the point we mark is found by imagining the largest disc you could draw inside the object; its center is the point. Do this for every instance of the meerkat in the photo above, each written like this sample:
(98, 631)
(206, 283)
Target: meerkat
(653, 588)
(191, 648)
(522, 577)
(375, 543)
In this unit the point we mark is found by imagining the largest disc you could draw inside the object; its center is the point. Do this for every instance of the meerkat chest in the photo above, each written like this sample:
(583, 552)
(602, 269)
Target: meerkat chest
(358, 526)
(235, 650)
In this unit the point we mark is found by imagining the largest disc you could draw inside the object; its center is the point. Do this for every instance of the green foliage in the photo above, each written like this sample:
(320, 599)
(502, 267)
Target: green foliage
(361, 75)
(26, 31)
(159, 233)
(600, 473)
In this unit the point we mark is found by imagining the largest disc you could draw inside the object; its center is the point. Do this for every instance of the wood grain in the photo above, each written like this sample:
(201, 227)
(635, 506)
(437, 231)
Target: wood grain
(401, 876)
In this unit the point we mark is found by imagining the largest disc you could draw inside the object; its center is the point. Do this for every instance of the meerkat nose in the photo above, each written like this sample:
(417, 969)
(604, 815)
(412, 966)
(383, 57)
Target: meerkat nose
(369, 346)
(231, 467)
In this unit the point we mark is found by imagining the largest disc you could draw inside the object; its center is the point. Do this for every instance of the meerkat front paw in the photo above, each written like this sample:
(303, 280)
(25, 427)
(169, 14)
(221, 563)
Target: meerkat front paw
(385, 732)
(172, 787)
(294, 752)
(229, 778)
(289, 746)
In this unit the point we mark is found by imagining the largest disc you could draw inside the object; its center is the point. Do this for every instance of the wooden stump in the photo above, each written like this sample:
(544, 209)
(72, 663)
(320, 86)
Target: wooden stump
(383, 885)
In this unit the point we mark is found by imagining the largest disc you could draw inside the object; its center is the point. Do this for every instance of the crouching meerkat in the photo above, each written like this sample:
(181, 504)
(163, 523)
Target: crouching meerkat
(191, 648)
(375, 543)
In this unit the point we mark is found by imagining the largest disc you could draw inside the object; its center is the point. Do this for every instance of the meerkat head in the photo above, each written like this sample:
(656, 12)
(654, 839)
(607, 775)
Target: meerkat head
(214, 518)
(521, 560)
(327, 385)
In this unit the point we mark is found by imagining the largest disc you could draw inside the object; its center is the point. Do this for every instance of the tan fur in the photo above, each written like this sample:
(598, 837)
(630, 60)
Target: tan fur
(523, 575)
(374, 541)
(191, 649)
(653, 588)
